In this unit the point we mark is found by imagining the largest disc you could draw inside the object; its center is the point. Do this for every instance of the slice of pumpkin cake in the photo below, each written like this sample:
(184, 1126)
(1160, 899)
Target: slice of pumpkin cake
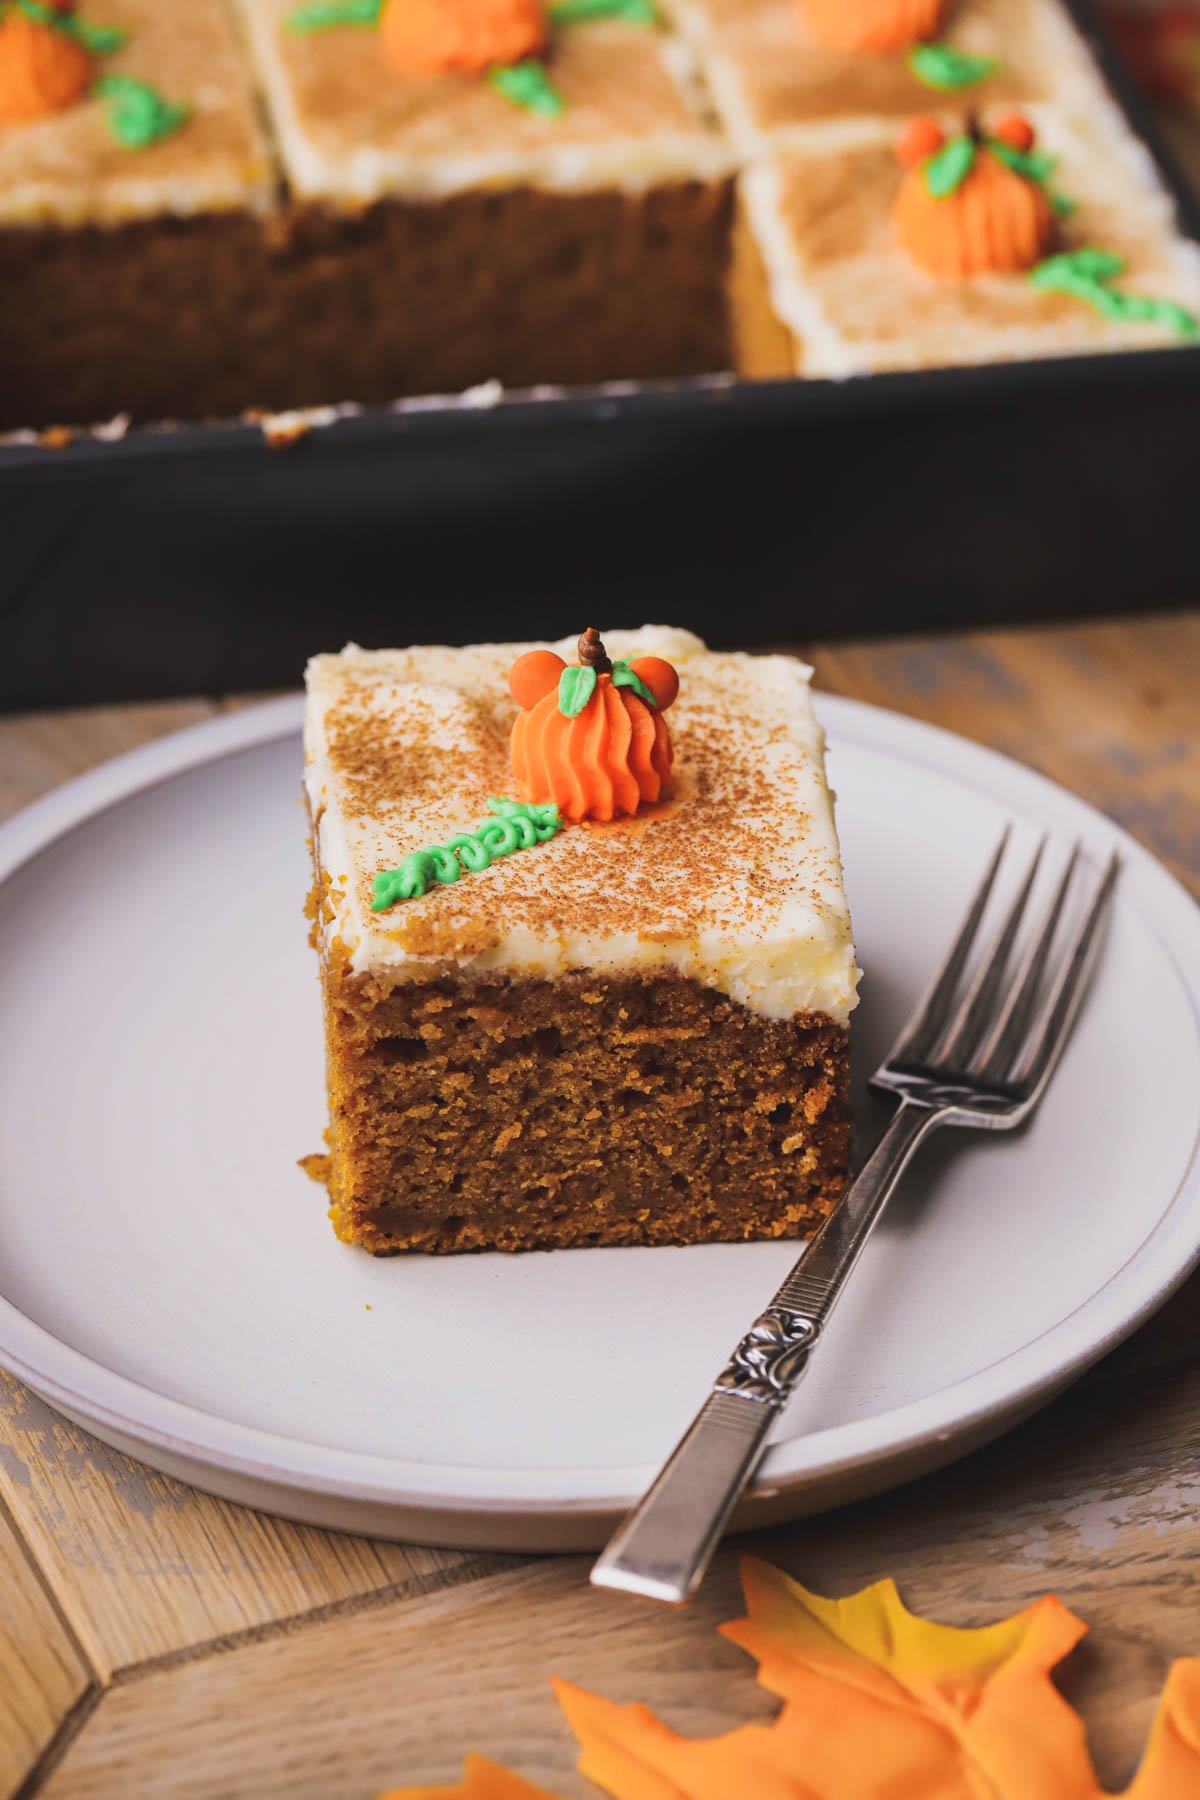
(963, 240)
(528, 192)
(584, 948)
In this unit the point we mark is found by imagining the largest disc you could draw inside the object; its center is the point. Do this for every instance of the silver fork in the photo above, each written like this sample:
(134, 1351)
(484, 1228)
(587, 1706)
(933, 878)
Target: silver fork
(976, 1052)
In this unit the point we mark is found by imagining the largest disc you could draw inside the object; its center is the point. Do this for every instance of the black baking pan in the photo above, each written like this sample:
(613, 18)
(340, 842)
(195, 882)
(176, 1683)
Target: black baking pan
(201, 559)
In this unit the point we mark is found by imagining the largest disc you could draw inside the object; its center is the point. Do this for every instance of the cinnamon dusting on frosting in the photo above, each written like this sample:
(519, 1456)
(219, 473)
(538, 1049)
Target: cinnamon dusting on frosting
(737, 882)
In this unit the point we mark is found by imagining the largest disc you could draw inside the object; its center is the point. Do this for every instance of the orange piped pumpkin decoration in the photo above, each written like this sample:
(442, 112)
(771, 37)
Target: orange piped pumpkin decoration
(41, 70)
(461, 37)
(992, 219)
(591, 737)
(879, 27)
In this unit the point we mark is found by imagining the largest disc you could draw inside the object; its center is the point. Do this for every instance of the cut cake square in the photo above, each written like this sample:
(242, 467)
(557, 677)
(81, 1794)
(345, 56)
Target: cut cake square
(776, 88)
(131, 270)
(633, 1032)
(468, 239)
(821, 286)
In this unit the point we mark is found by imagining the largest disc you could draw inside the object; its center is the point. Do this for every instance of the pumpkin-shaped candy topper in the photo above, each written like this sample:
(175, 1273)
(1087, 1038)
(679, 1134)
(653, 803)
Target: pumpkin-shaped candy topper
(43, 68)
(463, 37)
(879, 27)
(590, 736)
(975, 203)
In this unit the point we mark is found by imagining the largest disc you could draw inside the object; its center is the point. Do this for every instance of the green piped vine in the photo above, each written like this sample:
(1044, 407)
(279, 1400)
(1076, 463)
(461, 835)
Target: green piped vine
(1088, 274)
(514, 826)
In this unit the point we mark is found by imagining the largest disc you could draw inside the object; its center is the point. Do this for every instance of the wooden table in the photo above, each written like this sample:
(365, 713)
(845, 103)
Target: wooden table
(156, 1642)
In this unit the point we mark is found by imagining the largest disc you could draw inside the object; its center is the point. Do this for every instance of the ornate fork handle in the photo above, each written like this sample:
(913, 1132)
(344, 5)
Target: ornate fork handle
(770, 1358)
(663, 1546)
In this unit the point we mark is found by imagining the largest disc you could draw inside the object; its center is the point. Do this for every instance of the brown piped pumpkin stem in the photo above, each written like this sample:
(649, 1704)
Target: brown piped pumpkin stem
(592, 654)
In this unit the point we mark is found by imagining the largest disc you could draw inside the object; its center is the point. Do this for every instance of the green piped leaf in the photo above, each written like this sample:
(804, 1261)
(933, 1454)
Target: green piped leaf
(326, 15)
(1087, 275)
(589, 12)
(136, 114)
(946, 171)
(947, 70)
(624, 676)
(98, 40)
(1035, 165)
(575, 689)
(527, 85)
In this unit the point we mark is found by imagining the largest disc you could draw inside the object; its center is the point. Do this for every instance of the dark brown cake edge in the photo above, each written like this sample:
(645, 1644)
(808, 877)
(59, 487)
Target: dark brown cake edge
(208, 316)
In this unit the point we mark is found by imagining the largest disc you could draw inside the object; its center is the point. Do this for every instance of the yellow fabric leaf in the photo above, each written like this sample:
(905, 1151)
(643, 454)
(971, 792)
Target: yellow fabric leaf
(482, 1780)
(986, 1692)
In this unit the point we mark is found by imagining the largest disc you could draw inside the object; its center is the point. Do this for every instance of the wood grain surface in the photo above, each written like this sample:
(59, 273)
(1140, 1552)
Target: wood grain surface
(157, 1642)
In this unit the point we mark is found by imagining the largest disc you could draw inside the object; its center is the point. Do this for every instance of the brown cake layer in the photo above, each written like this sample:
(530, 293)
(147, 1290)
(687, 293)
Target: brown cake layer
(522, 1114)
(159, 318)
(198, 317)
(522, 285)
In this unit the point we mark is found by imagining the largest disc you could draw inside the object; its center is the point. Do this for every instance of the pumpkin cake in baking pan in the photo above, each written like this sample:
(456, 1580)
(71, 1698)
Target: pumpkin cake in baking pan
(236, 205)
(539, 193)
(134, 178)
(965, 240)
(584, 947)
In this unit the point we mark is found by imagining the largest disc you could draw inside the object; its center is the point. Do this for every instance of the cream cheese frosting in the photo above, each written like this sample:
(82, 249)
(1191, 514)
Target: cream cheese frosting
(735, 881)
(353, 131)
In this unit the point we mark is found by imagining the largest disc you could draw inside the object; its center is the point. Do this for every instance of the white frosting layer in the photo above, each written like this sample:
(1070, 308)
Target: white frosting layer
(737, 883)
(352, 131)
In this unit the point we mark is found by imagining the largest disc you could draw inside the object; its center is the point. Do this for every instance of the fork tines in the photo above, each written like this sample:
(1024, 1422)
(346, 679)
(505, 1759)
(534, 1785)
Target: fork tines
(999, 1031)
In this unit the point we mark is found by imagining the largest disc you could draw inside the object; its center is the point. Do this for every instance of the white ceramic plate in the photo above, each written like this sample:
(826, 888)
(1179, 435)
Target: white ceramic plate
(169, 1278)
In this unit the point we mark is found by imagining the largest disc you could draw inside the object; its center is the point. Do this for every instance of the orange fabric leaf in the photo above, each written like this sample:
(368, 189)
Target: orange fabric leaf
(1171, 1766)
(482, 1780)
(630, 1753)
